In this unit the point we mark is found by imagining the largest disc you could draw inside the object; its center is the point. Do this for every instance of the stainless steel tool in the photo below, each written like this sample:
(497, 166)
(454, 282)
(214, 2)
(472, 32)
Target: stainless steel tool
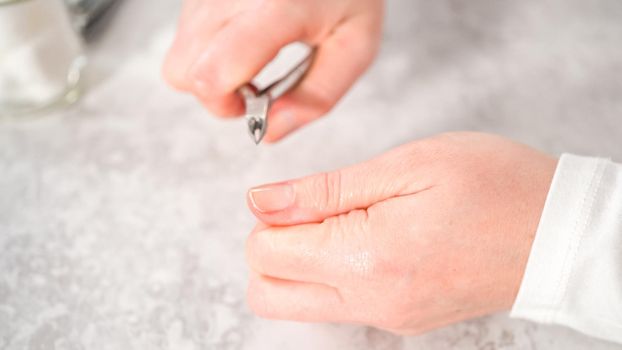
(258, 102)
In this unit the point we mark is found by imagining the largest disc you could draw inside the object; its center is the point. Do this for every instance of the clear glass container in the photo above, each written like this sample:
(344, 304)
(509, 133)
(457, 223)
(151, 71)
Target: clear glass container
(41, 56)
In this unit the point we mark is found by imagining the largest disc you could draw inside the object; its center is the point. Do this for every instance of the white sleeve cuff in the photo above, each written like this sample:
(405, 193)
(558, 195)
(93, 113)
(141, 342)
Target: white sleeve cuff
(574, 272)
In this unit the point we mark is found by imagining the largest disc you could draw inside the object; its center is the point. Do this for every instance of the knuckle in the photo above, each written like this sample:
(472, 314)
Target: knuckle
(351, 230)
(333, 186)
(327, 187)
(353, 223)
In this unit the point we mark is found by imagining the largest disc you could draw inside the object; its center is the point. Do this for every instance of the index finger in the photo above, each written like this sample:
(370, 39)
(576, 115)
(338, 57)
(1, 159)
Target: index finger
(239, 51)
(325, 253)
(199, 21)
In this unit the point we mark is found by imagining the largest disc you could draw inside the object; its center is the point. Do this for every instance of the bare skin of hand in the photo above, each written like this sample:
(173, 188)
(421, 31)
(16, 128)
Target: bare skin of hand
(431, 233)
(221, 45)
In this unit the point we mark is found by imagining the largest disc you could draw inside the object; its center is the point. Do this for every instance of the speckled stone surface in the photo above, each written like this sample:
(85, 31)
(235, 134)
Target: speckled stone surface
(123, 219)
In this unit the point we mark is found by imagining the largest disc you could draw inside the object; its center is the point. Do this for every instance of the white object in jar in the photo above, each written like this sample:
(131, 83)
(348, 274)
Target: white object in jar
(40, 54)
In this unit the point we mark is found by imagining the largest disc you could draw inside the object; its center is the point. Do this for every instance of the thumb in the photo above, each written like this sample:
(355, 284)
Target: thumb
(317, 197)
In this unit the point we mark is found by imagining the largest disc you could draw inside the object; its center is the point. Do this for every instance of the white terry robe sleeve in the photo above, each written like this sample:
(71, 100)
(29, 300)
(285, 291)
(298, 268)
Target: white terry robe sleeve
(574, 272)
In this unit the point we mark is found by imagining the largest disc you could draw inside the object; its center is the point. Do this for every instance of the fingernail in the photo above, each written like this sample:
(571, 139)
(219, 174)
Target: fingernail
(272, 198)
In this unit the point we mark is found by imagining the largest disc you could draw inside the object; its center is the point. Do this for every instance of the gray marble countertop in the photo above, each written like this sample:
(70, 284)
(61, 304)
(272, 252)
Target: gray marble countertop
(123, 219)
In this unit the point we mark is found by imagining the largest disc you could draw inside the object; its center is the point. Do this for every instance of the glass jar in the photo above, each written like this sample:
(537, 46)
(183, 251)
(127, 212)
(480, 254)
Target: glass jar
(41, 56)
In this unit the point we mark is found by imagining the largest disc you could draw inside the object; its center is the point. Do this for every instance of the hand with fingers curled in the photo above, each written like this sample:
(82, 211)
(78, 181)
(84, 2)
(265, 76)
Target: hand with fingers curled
(433, 232)
(222, 45)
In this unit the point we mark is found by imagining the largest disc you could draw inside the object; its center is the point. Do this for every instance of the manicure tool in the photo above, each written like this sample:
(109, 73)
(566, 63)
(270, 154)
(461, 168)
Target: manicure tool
(258, 102)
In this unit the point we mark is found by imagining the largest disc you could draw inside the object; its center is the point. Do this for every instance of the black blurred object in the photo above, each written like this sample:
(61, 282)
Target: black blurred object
(90, 16)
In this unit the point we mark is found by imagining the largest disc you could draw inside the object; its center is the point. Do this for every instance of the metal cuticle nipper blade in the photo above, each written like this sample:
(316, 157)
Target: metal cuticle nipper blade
(258, 102)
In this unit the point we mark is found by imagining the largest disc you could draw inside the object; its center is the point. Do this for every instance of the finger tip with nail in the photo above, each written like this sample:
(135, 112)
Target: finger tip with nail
(271, 198)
